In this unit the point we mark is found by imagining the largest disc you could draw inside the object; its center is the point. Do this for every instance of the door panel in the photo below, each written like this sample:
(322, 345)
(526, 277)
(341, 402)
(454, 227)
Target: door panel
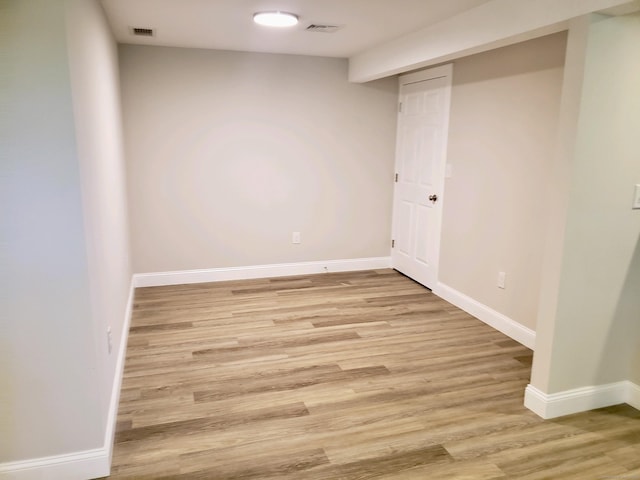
(429, 147)
(405, 221)
(422, 231)
(420, 165)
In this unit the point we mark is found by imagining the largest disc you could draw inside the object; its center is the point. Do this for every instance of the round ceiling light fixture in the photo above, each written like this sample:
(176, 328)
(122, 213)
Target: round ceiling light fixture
(275, 19)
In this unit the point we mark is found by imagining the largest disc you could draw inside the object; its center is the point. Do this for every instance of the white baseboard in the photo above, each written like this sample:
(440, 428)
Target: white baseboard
(258, 271)
(497, 320)
(86, 464)
(112, 416)
(73, 466)
(581, 399)
(633, 395)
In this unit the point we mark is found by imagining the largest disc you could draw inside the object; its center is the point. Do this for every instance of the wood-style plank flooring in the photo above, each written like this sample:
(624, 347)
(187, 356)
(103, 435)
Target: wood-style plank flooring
(363, 375)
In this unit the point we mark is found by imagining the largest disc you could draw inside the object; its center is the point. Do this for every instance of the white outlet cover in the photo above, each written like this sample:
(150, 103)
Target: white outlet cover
(636, 197)
(109, 339)
(502, 277)
(448, 170)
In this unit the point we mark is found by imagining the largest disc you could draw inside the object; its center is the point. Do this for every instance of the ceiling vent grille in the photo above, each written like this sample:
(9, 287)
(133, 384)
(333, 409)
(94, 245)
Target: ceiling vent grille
(323, 28)
(142, 32)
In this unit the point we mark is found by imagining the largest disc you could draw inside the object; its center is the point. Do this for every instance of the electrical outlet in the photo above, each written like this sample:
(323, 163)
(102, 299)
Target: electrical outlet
(295, 238)
(636, 197)
(109, 339)
(502, 277)
(448, 170)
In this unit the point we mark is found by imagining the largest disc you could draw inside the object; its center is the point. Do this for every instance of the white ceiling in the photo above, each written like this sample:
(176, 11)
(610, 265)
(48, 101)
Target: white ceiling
(228, 25)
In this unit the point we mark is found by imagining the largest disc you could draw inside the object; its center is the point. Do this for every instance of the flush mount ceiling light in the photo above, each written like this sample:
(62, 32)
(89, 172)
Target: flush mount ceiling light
(275, 19)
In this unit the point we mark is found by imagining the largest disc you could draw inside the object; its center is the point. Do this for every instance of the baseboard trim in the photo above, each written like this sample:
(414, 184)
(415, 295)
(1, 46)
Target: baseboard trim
(633, 395)
(258, 271)
(77, 465)
(581, 399)
(85, 464)
(112, 416)
(497, 320)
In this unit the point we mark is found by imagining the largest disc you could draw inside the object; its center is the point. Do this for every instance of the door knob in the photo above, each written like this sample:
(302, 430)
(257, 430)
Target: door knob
(433, 198)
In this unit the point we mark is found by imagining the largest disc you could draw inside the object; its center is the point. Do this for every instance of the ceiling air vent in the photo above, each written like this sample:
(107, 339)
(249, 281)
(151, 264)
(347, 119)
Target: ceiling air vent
(142, 32)
(323, 28)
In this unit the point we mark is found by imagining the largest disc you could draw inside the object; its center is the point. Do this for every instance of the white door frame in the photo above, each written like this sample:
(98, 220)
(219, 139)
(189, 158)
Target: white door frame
(420, 76)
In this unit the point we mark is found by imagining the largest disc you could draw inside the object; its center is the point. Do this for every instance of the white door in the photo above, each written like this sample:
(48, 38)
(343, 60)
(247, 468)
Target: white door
(423, 121)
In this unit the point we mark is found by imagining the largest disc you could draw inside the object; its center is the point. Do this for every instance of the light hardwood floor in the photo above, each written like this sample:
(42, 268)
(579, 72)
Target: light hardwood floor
(363, 375)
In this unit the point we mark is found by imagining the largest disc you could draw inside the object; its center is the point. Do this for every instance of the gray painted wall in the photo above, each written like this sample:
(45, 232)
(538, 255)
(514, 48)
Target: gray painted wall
(229, 153)
(95, 86)
(590, 323)
(49, 400)
(504, 117)
(61, 285)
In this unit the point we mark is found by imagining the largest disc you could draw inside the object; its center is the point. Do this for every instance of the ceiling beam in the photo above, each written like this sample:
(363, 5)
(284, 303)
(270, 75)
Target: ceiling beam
(491, 25)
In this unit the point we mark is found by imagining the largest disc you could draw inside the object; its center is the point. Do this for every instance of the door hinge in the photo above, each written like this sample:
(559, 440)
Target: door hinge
(400, 107)
(396, 178)
(393, 244)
